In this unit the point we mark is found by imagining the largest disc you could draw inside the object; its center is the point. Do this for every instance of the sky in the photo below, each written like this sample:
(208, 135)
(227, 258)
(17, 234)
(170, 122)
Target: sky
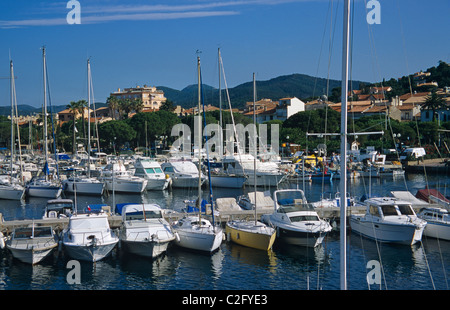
(156, 42)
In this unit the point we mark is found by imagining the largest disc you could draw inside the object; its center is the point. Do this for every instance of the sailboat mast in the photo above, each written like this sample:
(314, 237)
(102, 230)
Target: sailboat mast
(45, 109)
(255, 141)
(89, 117)
(343, 161)
(12, 118)
(199, 143)
(220, 98)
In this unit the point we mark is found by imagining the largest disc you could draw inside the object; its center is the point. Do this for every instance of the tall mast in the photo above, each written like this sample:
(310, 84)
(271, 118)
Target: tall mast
(89, 117)
(343, 170)
(12, 117)
(45, 109)
(220, 97)
(255, 141)
(199, 143)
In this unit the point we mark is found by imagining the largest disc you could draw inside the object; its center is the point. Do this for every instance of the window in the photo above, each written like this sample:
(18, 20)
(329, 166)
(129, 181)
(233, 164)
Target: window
(374, 210)
(389, 210)
(406, 210)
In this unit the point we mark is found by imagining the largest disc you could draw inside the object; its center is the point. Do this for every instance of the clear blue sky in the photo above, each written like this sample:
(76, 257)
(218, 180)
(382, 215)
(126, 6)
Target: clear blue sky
(154, 42)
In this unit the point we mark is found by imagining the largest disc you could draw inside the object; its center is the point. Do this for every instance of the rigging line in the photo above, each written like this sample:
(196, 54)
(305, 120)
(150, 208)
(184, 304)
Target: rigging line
(404, 47)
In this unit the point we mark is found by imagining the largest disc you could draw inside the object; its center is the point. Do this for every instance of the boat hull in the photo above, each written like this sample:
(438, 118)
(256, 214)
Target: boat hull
(264, 179)
(90, 253)
(125, 186)
(387, 232)
(437, 230)
(196, 240)
(243, 234)
(146, 248)
(44, 192)
(84, 188)
(157, 184)
(11, 193)
(32, 255)
(185, 182)
(227, 181)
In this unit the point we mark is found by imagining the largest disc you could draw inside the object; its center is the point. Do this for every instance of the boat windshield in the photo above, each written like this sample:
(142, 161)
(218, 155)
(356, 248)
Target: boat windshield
(304, 218)
(140, 215)
(291, 201)
(389, 210)
(153, 170)
(406, 210)
(28, 232)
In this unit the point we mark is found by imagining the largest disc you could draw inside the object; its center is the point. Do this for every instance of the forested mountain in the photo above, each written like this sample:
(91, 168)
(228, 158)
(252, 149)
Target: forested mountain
(295, 85)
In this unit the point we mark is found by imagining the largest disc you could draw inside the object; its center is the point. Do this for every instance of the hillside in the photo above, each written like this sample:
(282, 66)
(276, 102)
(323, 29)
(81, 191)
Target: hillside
(295, 85)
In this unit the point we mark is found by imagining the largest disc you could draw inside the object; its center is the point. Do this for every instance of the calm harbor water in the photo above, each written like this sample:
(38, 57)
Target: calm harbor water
(421, 267)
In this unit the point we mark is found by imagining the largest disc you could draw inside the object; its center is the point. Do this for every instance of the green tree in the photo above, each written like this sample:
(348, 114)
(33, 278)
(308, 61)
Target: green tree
(74, 107)
(433, 102)
(116, 132)
(113, 105)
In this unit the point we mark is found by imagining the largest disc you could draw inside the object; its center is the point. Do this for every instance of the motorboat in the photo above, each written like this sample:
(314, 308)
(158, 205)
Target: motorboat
(151, 171)
(197, 233)
(183, 173)
(438, 222)
(328, 201)
(144, 230)
(83, 185)
(223, 180)
(296, 221)
(88, 236)
(266, 173)
(44, 188)
(389, 220)
(11, 189)
(262, 200)
(32, 244)
(58, 208)
(118, 179)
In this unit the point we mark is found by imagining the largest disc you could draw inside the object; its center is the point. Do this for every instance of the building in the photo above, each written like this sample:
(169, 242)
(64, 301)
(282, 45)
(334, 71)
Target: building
(68, 115)
(151, 97)
(268, 110)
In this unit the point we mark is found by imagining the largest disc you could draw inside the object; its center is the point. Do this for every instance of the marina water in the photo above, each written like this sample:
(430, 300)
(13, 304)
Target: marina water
(425, 266)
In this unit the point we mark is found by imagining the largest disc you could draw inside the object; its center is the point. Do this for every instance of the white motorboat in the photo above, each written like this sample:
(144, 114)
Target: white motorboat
(58, 208)
(438, 222)
(83, 185)
(144, 230)
(389, 220)
(296, 221)
(11, 189)
(88, 237)
(328, 201)
(43, 187)
(118, 179)
(32, 244)
(266, 173)
(197, 233)
(223, 180)
(152, 172)
(263, 200)
(184, 173)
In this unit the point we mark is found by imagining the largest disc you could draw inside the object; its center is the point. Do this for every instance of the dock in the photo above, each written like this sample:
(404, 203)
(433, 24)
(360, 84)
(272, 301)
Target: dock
(332, 214)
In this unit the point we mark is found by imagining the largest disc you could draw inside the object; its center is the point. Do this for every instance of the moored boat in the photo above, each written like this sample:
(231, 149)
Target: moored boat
(389, 220)
(32, 244)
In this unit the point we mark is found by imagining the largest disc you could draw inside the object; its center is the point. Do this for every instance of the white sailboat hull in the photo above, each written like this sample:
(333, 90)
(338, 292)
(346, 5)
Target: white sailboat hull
(437, 230)
(126, 185)
(11, 193)
(227, 181)
(44, 191)
(84, 187)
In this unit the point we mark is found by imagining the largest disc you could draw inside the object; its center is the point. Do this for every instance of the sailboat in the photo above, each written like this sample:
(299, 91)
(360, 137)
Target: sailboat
(45, 186)
(10, 187)
(254, 234)
(85, 185)
(196, 232)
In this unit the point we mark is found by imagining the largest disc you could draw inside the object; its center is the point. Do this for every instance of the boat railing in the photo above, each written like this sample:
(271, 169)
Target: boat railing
(34, 242)
(154, 236)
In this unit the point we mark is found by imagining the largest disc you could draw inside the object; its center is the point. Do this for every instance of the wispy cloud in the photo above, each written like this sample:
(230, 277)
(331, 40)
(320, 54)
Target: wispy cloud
(91, 14)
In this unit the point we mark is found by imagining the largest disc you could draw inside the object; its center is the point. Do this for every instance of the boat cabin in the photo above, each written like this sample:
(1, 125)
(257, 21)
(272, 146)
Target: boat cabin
(58, 208)
(382, 207)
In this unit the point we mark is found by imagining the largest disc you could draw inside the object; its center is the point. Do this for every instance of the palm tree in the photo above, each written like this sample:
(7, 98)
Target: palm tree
(113, 104)
(433, 102)
(74, 108)
(82, 109)
(137, 105)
